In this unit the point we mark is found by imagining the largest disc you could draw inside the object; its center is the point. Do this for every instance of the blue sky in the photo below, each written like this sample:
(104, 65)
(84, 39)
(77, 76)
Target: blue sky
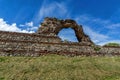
(100, 18)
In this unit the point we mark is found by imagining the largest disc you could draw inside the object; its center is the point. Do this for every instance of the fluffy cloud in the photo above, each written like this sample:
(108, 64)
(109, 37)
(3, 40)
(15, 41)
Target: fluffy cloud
(4, 26)
(29, 26)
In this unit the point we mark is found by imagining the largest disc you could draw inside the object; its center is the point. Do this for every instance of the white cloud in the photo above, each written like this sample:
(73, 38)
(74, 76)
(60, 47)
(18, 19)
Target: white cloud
(11, 27)
(29, 26)
(92, 21)
(51, 9)
(86, 19)
(114, 26)
(96, 37)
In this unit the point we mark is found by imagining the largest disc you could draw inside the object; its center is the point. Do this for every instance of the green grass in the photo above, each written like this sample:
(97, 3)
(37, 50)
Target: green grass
(55, 67)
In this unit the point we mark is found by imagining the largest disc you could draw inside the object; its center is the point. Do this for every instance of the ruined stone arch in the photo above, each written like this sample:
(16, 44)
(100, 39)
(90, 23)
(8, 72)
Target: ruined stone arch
(52, 26)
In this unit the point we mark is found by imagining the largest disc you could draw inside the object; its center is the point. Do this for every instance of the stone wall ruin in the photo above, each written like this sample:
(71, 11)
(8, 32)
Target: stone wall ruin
(53, 26)
(46, 41)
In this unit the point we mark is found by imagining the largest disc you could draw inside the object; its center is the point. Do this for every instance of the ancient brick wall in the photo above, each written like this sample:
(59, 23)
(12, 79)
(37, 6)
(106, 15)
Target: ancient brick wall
(28, 37)
(42, 42)
(110, 50)
(12, 43)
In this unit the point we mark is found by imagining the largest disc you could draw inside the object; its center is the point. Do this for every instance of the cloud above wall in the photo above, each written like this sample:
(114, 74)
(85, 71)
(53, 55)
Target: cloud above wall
(52, 9)
(4, 26)
(95, 36)
(29, 26)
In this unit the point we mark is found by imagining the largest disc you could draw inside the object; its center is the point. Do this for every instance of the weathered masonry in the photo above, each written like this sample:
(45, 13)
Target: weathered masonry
(46, 41)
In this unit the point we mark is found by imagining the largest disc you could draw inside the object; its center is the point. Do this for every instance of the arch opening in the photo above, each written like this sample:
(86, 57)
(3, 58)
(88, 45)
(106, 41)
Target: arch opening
(67, 34)
(54, 27)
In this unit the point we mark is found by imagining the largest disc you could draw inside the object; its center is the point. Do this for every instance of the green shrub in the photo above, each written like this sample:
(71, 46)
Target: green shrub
(112, 44)
(96, 48)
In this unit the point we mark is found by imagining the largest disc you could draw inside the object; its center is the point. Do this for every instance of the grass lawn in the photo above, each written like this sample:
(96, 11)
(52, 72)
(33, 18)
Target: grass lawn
(56, 67)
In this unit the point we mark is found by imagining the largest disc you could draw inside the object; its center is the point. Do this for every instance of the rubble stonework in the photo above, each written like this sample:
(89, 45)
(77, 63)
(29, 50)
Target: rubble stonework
(46, 41)
(53, 26)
